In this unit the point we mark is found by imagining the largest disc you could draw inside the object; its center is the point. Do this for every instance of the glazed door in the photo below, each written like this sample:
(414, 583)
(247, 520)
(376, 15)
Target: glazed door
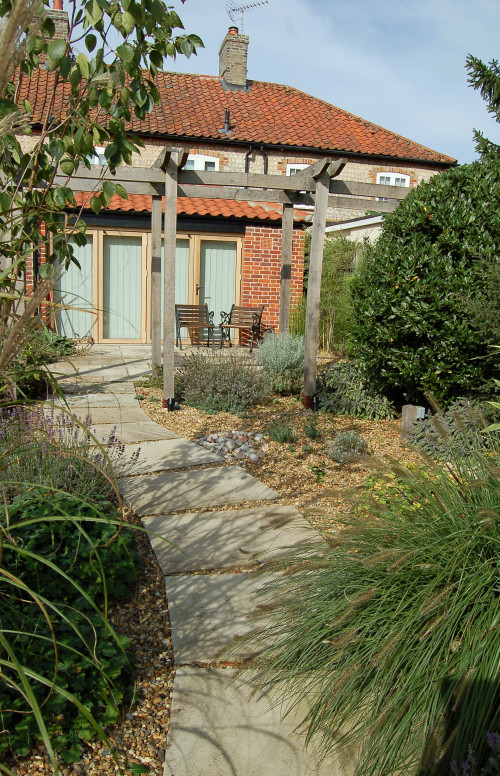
(217, 285)
(123, 281)
(74, 291)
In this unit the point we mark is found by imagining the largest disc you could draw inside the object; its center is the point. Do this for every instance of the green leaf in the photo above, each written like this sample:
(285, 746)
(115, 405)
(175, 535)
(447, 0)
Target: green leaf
(56, 50)
(59, 196)
(83, 64)
(125, 52)
(67, 166)
(121, 191)
(96, 205)
(90, 42)
(135, 768)
(109, 189)
(128, 22)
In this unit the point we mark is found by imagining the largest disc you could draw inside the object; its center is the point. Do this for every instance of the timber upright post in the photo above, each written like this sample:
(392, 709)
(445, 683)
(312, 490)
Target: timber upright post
(286, 267)
(155, 285)
(170, 229)
(314, 281)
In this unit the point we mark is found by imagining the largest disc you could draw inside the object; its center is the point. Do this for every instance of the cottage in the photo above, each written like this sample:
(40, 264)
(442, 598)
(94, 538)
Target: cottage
(227, 251)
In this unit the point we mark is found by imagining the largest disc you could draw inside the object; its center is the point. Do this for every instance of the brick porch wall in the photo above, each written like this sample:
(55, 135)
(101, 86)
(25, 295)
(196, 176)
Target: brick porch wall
(261, 270)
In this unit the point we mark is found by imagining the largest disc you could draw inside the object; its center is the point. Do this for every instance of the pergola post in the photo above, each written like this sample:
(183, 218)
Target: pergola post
(155, 285)
(286, 267)
(314, 286)
(170, 229)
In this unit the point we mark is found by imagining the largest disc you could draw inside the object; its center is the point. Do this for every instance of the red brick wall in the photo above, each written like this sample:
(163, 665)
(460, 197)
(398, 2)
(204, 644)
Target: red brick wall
(261, 270)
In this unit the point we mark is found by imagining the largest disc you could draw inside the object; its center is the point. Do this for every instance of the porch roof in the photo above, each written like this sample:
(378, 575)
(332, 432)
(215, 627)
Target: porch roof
(198, 206)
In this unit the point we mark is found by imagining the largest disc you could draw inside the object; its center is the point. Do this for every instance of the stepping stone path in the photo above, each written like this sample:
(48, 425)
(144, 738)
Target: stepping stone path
(222, 723)
(235, 444)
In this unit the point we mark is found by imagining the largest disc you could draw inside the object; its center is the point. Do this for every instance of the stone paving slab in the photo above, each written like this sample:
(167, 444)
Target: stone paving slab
(180, 491)
(208, 612)
(74, 388)
(130, 433)
(221, 726)
(112, 414)
(216, 540)
(103, 399)
(170, 454)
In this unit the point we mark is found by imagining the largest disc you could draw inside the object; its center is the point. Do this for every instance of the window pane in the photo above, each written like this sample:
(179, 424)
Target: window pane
(385, 180)
(210, 166)
(189, 164)
(400, 182)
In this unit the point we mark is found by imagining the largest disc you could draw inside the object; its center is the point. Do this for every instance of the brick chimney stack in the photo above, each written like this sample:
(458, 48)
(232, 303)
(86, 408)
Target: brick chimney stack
(60, 18)
(233, 59)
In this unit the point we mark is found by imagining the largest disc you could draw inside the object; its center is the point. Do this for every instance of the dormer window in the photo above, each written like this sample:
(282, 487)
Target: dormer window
(202, 162)
(98, 157)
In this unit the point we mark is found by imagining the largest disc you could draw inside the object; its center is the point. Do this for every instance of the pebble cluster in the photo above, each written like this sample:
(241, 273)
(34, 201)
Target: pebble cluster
(235, 444)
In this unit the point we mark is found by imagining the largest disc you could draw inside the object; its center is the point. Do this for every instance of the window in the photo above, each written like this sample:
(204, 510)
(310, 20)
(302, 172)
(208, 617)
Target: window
(291, 169)
(202, 162)
(392, 179)
(98, 157)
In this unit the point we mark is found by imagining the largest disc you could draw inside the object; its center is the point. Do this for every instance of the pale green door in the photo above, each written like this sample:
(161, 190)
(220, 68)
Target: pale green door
(218, 261)
(181, 274)
(74, 291)
(122, 287)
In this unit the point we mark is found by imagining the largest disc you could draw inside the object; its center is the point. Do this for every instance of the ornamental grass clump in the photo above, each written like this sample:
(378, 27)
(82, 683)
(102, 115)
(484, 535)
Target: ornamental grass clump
(392, 633)
(282, 359)
(222, 383)
(347, 447)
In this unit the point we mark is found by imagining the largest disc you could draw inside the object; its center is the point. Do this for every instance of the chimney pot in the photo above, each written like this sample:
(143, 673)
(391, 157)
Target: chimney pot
(58, 5)
(233, 59)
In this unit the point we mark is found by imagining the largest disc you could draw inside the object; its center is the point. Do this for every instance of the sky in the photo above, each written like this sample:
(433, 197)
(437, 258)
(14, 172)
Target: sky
(397, 63)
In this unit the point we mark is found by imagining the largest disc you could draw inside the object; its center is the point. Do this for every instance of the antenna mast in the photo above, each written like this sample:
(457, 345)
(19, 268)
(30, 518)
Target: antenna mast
(236, 12)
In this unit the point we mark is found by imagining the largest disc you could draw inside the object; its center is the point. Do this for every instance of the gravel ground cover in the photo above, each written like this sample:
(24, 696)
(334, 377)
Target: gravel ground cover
(302, 472)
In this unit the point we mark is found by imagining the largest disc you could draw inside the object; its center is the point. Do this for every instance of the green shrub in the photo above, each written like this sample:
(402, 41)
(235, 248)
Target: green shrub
(282, 359)
(281, 433)
(221, 383)
(335, 323)
(347, 447)
(156, 381)
(311, 429)
(412, 333)
(391, 636)
(343, 390)
(39, 348)
(67, 562)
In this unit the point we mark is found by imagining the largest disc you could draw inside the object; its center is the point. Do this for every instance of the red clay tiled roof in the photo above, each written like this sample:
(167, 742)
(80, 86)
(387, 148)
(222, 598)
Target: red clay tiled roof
(190, 206)
(193, 106)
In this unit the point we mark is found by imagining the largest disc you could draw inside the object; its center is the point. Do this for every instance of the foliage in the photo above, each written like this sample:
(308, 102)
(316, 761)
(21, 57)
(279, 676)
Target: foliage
(335, 322)
(40, 346)
(282, 359)
(492, 767)
(343, 390)
(486, 80)
(347, 447)
(58, 452)
(281, 433)
(458, 430)
(67, 554)
(311, 429)
(482, 309)
(221, 383)
(391, 634)
(410, 332)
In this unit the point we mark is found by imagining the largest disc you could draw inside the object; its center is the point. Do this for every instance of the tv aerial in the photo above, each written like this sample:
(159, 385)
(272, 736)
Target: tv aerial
(235, 12)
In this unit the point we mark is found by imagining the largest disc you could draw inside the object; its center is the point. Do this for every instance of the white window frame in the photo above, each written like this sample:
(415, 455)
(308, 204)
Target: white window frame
(392, 175)
(98, 157)
(297, 167)
(199, 162)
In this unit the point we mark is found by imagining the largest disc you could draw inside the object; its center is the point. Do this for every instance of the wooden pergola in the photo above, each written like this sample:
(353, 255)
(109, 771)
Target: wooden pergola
(316, 186)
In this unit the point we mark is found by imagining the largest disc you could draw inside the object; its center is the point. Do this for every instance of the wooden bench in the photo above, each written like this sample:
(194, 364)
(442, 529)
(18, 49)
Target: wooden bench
(241, 318)
(193, 316)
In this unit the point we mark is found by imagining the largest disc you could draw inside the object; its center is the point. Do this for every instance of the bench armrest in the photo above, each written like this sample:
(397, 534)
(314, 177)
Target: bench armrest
(225, 318)
(211, 317)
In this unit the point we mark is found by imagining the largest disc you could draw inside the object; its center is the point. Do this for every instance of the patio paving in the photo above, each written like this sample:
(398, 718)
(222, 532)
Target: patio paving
(215, 540)
(131, 433)
(167, 454)
(176, 492)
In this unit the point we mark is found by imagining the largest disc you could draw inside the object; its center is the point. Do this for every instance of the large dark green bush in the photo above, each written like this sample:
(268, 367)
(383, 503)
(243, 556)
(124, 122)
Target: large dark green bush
(412, 331)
